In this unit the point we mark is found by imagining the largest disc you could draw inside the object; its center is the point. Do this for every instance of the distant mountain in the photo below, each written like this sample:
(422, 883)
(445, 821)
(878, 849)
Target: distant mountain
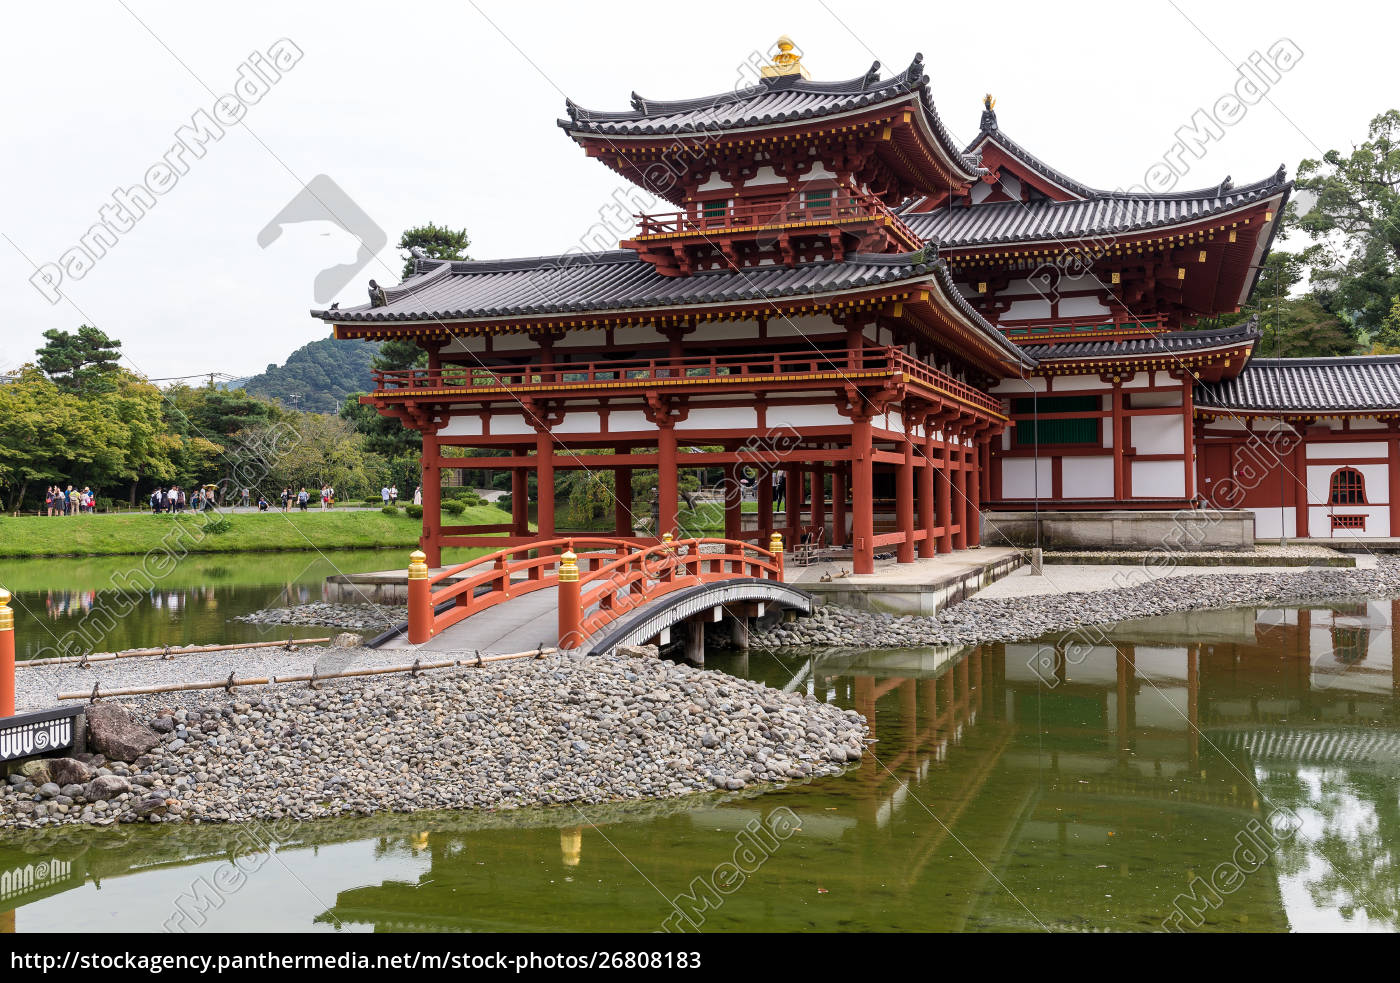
(322, 374)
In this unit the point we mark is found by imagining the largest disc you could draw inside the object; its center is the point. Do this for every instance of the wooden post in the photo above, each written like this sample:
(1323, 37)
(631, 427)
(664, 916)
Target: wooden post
(733, 502)
(420, 599)
(904, 502)
(943, 488)
(927, 546)
(570, 601)
(862, 497)
(960, 497)
(817, 513)
(838, 505)
(792, 504)
(974, 493)
(7, 656)
(765, 501)
(667, 478)
(1120, 480)
(544, 478)
(430, 542)
(519, 497)
(624, 521)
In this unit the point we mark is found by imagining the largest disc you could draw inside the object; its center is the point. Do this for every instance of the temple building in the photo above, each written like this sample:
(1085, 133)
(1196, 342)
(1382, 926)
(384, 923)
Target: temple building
(911, 331)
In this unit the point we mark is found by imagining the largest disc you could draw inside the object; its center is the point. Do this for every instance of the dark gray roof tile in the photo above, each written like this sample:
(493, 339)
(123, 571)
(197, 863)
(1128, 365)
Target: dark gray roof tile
(1364, 382)
(1167, 343)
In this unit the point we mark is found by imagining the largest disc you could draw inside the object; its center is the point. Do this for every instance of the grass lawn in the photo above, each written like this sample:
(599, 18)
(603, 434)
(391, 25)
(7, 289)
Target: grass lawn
(111, 535)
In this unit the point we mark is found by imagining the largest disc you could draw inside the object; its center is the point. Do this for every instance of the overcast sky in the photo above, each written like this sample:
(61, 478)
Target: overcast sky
(445, 111)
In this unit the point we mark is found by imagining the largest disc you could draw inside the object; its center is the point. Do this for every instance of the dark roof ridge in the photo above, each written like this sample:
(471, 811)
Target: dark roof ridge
(517, 263)
(1323, 360)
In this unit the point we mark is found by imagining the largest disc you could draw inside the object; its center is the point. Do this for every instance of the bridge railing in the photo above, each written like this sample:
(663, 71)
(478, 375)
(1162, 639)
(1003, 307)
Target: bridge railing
(605, 579)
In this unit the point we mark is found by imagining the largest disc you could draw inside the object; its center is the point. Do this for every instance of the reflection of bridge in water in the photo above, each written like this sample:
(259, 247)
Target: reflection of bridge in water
(996, 797)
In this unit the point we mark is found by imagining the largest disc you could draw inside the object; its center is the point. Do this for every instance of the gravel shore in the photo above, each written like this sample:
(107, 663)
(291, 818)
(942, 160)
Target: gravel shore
(1009, 619)
(536, 732)
(356, 617)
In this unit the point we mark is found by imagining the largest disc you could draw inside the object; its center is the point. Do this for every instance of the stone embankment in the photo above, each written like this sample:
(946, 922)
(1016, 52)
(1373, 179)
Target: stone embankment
(356, 617)
(980, 620)
(536, 732)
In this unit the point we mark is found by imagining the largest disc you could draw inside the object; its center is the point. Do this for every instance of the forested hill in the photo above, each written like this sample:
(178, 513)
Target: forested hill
(321, 373)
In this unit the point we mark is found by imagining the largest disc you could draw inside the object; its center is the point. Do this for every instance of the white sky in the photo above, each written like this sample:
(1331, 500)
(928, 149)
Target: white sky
(445, 111)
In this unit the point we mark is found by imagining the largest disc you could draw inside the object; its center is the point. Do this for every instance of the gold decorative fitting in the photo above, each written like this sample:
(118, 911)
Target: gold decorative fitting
(568, 567)
(7, 616)
(418, 565)
(788, 60)
(775, 543)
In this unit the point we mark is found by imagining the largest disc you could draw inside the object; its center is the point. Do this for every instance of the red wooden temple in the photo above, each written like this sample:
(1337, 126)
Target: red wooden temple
(910, 330)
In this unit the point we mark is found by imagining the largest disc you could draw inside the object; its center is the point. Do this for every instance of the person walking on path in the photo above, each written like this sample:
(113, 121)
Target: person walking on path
(247, 497)
(418, 495)
(393, 494)
(286, 499)
(384, 494)
(302, 499)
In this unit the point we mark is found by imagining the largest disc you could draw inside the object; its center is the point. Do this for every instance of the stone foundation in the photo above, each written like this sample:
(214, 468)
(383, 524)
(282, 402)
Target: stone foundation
(1167, 530)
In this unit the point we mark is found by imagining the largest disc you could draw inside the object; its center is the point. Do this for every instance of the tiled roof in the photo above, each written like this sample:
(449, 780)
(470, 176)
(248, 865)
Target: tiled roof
(991, 131)
(1366, 382)
(453, 290)
(960, 226)
(1170, 342)
(773, 101)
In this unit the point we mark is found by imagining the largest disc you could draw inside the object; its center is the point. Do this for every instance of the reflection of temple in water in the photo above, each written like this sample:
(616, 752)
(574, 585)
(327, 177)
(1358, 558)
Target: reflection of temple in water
(1079, 786)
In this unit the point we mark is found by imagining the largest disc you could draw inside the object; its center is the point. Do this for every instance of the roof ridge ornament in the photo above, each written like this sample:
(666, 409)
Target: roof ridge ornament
(915, 71)
(787, 61)
(1281, 174)
(989, 113)
(872, 77)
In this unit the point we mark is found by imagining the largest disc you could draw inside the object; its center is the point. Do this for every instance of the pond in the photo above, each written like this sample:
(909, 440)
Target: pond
(1246, 758)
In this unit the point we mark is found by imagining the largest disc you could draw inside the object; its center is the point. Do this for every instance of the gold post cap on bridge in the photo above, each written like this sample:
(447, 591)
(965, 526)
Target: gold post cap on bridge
(418, 565)
(568, 566)
(7, 616)
(775, 543)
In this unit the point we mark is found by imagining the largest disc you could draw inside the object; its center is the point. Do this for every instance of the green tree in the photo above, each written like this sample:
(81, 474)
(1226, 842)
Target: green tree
(438, 241)
(1300, 327)
(81, 362)
(1356, 223)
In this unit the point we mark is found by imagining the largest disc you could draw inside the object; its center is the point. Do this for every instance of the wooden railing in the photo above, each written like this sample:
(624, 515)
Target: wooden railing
(597, 585)
(736, 368)
(797, 209)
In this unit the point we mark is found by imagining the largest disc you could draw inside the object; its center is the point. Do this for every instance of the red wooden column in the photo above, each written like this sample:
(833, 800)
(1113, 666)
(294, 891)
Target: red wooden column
(928, 546)
(904, 502)
(667, 477)
(520, 495)
(818, 510)
(1300, 485)
(733, 502)
(1393, 493)
(862, 497)
(974, 491)
(431, 540)
(623, 519)
(960, 510)
(1188, 431)
(943, 497)
(766, 471)
(792, 505)
(838, 505)
(1120, 483)
(544, 478)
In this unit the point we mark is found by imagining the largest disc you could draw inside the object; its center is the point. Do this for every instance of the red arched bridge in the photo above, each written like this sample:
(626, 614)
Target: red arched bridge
(594, 593)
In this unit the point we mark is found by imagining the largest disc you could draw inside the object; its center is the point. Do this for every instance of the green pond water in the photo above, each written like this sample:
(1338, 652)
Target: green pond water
(1087, 786)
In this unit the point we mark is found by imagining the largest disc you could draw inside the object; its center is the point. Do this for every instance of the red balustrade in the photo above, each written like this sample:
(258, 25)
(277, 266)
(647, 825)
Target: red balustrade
(598, 585)
(736, 368)
(797, 209)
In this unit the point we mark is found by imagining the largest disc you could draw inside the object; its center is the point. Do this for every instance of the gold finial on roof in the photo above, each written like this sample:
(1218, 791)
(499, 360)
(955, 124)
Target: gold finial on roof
(787, 61)
(988, 103)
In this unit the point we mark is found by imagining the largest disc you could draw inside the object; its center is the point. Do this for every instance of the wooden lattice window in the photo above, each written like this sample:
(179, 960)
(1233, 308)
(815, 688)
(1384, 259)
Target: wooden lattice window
(1348, 488)
(1348, 522)
(1082, 430)
(1349, 643)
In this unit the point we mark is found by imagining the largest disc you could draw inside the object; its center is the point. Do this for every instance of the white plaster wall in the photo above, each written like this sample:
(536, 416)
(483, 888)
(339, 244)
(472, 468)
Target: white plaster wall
(1159, 479)
(801, 327)
(1163, 706)
(511, 425)
(980, 192)
(1020, 387)
(1154, 400)
(641, 334)
(1137, 379)
(1160, 664)
(1018, 477)
(629, 421)
(1026, 309)
(1349, 448)
(1082, 306)
(1367, 423)
(1320, 521)
(805, 416)
(462, 425)
(1078, 383)
(1157, 434)
(577, 421)
(1087, 477)
(1376, 477)
(1267, 523)
(511, 342)
(721, 418)
(465, 343)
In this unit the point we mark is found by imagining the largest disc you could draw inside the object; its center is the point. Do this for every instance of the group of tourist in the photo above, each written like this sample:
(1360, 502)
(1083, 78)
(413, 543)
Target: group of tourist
(175, 499)
(68, 501)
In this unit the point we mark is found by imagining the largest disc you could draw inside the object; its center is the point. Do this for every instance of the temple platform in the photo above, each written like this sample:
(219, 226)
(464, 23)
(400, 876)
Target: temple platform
(923, 587)
(1172, 530)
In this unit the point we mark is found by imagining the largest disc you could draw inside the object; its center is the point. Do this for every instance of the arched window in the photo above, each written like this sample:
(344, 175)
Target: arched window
(1348, 488)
